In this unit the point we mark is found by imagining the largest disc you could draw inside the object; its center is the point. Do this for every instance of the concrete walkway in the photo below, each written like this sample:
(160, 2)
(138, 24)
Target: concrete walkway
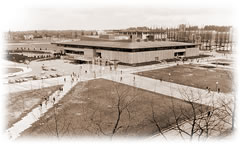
(35, 84)
(166, 88)
(36, 113)
(170, 89)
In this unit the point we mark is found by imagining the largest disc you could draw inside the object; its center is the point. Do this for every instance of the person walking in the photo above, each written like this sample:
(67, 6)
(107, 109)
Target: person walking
(209, 90)
(46, 99)
(54, 100)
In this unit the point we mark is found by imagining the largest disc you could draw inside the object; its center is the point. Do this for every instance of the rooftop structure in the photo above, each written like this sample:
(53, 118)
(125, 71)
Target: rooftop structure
(125, 45)
(128, 52)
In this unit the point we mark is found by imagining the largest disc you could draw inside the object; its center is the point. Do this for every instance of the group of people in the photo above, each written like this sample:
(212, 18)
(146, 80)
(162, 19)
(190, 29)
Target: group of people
(209, 89)
(47, 99)
(74, 77)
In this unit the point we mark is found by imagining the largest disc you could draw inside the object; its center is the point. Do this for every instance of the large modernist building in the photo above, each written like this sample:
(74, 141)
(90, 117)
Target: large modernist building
(128, 52)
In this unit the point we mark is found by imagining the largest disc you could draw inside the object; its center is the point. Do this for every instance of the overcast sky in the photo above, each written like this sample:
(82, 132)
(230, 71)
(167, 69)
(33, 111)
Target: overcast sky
(115, 17)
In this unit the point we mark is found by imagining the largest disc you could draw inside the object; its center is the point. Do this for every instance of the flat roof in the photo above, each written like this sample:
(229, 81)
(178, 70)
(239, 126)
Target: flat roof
(127, 45)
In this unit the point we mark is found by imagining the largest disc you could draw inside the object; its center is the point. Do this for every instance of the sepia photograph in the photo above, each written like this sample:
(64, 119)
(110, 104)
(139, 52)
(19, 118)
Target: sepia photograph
(107, 71)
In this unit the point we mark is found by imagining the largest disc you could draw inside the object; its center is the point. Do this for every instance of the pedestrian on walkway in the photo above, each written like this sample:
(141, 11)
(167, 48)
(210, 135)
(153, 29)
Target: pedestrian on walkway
(46, 99)
(133, 78)
(121, 72)
(53, 100)
(218, 90)
(94, 73)
(120, 78)
(209, 90)
(64, 80)
(72, 81)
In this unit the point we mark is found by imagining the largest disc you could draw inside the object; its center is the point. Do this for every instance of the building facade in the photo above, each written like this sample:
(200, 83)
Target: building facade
(128, 52)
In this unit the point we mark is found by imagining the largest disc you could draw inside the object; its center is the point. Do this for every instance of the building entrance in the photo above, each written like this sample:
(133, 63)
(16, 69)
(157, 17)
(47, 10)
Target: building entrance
(98, 54)
(176, 54)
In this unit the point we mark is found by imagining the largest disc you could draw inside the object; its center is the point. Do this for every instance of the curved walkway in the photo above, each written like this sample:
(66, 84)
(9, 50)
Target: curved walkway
(24, 70)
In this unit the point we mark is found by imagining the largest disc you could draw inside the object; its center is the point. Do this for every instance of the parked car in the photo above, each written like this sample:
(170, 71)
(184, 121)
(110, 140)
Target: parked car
(43, 77)
(19, 80)
(53, 75)
(29, 76)
(58, 75)
(45, 69)
(36, 78)
(53, 69)
(24, 80)
(11, 81)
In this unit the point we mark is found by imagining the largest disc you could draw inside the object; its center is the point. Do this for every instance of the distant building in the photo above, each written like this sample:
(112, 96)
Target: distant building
(145, 34)
(114, 37)
(182, 27)
(28, 37)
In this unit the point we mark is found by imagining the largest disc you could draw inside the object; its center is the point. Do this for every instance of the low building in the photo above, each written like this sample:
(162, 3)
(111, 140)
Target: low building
(128, 52)
(28, 37)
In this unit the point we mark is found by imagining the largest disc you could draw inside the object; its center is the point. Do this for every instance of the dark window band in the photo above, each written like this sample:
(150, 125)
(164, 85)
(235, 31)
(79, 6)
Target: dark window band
(125, 49)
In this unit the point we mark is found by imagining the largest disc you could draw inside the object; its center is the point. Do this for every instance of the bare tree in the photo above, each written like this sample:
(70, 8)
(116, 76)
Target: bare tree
(122, 97)
(153, 119)
(55, 124)
(208, 116)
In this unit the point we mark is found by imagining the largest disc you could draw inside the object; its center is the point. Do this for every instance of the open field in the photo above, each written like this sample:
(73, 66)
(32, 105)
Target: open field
(91, 108)
(20, 103)
(198, 76)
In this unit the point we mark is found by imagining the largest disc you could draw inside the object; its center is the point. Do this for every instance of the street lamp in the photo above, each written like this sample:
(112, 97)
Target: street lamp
(217, 86)
(169, 74)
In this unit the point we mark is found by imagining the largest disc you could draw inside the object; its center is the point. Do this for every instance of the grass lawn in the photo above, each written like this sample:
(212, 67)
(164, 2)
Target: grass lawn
(194, 75)
(20, 103)
(90, 109)
(13, 70)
